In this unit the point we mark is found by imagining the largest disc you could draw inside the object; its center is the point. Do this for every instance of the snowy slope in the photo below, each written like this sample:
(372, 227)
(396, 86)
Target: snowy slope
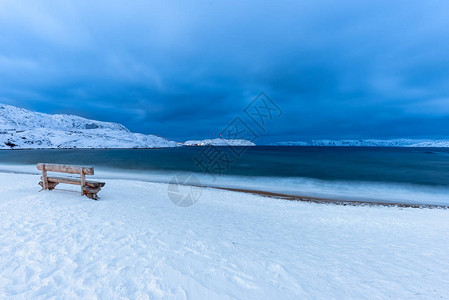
(219, 142)
(21, 128)
(136, 244)
(370, 143)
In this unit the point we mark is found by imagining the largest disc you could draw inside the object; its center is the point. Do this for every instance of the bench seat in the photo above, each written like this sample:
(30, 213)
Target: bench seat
(77, 181)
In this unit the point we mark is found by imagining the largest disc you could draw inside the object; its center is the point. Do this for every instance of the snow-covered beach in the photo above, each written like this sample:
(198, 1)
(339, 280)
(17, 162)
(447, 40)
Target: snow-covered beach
(135, 243)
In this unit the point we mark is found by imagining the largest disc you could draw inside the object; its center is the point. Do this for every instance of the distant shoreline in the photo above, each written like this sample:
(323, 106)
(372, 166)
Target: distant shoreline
(232, 146)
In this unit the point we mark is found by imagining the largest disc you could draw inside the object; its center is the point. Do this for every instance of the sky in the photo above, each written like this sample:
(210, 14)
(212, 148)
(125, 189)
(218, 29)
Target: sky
(344, 69)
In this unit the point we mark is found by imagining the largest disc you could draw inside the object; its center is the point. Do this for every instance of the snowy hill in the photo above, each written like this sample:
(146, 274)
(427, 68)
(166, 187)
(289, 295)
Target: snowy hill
(369, 143)
(23, 129)
(219, 142)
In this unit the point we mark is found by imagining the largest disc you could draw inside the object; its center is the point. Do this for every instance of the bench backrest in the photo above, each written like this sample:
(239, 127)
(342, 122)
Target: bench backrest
(65, 169)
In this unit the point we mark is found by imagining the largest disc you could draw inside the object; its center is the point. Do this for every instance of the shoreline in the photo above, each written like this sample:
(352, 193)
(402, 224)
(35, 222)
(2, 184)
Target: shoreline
(276, 195)
(320, 200)
(196, 146)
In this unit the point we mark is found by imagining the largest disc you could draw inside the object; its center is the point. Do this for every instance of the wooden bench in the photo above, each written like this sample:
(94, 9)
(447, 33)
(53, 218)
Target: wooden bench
(88, 188)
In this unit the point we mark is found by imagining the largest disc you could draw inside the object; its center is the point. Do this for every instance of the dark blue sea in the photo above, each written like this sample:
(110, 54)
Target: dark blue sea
(400, 174)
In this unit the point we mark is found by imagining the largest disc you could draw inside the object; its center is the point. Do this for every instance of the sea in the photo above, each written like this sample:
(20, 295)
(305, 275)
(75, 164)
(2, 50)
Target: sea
(371, 174)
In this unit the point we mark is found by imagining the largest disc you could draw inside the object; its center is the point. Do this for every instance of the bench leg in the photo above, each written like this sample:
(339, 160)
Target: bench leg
(83, 183)
(44, 179)
(92, 196)
(91, 192)
(50, 185)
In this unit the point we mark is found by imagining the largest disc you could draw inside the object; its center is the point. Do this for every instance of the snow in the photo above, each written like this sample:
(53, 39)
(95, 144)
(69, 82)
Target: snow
(135, 243)
(219, 142)
(23, 129)
(92, 138)
(370, 143)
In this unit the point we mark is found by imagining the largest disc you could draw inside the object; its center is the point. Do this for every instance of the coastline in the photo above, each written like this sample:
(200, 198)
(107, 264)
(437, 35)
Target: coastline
(329, 199)
(232, 146)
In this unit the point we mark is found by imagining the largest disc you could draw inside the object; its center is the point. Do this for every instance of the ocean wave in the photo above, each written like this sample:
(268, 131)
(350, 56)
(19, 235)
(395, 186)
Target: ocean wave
(363, 191)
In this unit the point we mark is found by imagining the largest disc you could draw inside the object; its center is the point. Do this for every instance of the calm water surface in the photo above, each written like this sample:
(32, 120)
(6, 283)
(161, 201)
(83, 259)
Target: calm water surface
(421, 166)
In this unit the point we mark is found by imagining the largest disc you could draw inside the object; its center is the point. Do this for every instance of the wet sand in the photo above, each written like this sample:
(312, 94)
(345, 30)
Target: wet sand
(327, 200)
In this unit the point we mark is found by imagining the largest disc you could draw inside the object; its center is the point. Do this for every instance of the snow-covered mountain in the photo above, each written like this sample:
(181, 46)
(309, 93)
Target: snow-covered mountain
(24, 129)
(219, 142)
(370, 143)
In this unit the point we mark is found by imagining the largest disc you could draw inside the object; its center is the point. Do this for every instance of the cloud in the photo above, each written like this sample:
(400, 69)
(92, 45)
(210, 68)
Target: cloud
(185, 69)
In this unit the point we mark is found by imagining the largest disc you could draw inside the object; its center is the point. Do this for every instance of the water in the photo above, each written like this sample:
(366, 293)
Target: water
(361, 171)
(402, 165)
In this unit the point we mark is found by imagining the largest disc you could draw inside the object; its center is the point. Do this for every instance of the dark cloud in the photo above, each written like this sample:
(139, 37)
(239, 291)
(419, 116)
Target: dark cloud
(339, 69)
